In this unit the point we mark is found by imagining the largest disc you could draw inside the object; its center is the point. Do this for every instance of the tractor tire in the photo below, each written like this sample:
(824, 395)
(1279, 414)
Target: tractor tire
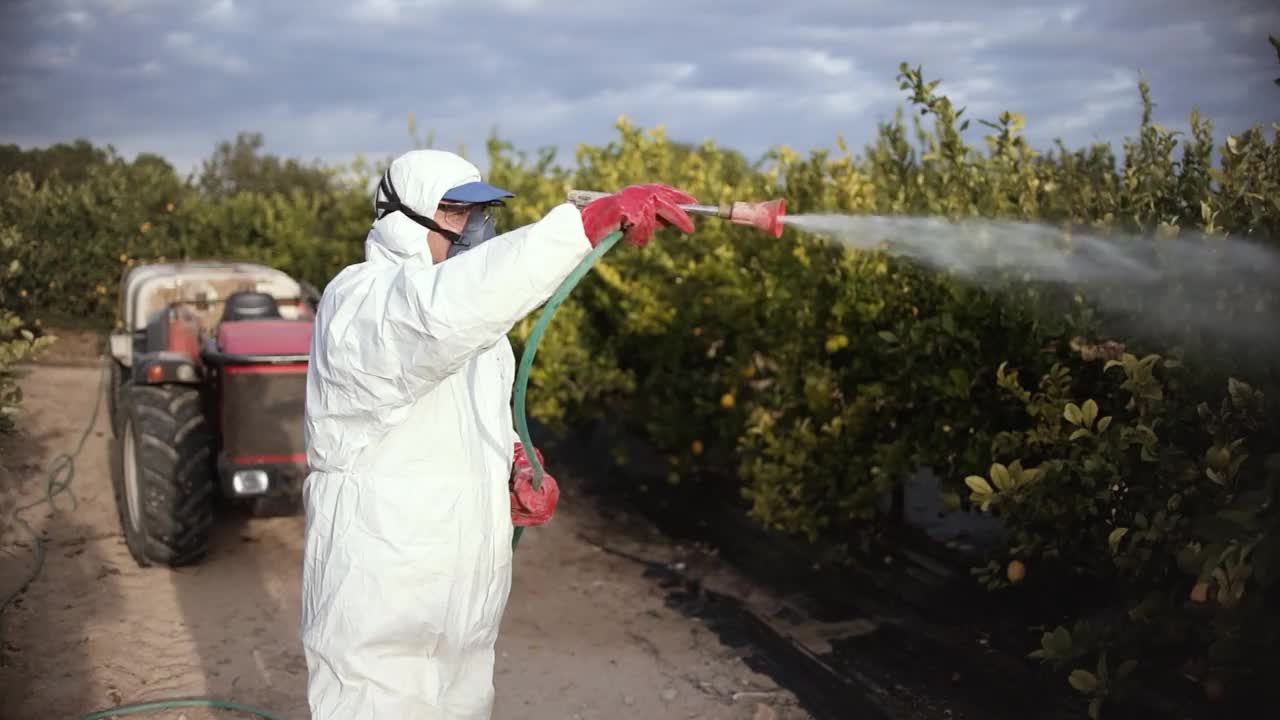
(164, 474)
(115, 395)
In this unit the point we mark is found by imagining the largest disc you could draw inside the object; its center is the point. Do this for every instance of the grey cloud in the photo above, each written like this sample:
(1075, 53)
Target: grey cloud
(331, 78)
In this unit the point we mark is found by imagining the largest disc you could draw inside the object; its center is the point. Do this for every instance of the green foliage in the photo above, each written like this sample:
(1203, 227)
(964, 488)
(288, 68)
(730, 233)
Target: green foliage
(77, 238)
(812, 380)
(18, 343)
(64, 162)
(240, 167)
(1145, 494)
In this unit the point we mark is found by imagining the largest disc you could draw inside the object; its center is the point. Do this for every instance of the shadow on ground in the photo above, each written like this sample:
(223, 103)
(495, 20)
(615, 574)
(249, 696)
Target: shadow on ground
(44, 666)
(239, 610)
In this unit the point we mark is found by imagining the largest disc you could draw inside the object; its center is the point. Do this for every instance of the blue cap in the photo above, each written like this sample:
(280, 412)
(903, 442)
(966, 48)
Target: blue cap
(476, 192)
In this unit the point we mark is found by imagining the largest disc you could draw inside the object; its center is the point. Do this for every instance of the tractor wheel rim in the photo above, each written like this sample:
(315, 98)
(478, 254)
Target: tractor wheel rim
(133, 496)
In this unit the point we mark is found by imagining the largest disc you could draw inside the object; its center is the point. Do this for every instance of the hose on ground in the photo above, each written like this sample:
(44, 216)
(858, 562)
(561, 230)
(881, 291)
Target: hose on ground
(147, 707)
(58, 477)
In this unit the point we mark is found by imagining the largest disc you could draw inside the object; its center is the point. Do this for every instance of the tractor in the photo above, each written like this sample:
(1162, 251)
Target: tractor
(207, 390)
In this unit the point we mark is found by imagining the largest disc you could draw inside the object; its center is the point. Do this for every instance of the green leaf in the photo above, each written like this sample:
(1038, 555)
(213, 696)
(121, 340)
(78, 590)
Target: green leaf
(887, 336)
(1000, 476)
(1090, 411)
(1073, 414)
(1204, 412)
(1116, 535)
(1241, 393)
(1061, 640)
(1104, 423)
(1079, 433)
(1083, 681)
(978, 485)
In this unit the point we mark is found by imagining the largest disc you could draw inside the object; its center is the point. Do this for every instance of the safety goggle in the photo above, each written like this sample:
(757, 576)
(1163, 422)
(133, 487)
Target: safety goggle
(459, 211)
(477, 222)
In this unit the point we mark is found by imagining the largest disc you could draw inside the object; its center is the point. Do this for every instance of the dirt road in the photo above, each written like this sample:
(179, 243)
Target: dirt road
(587, 634)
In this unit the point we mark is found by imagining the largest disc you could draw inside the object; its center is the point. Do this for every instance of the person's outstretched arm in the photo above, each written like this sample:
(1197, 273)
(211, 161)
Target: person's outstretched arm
(393, 333)
(438, 316)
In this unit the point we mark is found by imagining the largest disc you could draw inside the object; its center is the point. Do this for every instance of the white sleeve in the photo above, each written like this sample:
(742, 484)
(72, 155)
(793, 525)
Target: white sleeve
(437, 317)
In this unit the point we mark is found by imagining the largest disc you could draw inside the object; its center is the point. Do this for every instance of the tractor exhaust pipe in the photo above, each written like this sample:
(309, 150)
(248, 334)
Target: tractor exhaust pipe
(766, 216)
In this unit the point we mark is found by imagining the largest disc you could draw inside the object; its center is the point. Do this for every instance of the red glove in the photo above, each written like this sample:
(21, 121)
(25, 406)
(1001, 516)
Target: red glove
(637, 210)
(530, 506)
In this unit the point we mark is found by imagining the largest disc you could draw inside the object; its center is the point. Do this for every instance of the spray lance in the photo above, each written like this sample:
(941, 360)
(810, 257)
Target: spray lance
(765, 216)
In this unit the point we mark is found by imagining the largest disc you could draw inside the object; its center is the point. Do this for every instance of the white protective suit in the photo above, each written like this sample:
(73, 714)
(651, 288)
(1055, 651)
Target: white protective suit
(410, 438)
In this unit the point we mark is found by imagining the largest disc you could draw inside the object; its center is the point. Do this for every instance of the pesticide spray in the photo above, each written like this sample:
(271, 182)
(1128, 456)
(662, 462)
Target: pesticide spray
(1170, 286)
(1166, 285)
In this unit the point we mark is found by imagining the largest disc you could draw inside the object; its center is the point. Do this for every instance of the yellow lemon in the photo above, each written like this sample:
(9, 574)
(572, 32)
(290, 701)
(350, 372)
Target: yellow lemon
(1016, 572)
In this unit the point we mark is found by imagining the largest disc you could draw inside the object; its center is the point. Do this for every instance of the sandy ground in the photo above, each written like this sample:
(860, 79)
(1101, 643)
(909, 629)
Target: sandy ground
(587, 634)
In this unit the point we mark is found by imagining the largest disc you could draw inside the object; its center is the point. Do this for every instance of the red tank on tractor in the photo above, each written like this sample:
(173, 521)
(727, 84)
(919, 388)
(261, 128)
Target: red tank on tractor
(208, 386)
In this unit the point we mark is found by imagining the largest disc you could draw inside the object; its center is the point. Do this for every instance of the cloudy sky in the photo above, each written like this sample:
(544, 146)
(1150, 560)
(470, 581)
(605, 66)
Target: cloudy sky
(329, 79)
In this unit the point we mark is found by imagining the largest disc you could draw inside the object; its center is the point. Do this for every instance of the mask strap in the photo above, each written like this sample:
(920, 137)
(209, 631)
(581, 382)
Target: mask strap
(393, 204)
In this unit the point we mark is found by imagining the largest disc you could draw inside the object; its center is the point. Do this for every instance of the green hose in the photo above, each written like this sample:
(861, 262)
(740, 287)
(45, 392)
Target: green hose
(57, 481)
(531, 349)
(169, 704)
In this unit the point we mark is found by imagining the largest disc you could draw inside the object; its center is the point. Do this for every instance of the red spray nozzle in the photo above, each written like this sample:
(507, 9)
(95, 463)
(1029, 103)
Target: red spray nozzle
(766, 216)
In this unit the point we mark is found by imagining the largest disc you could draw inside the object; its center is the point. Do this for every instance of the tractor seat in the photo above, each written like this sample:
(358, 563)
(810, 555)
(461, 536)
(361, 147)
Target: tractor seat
(249, 305)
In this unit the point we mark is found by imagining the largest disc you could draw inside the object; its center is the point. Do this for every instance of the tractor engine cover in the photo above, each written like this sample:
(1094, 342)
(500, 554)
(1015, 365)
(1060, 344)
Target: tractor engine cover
(262, 367)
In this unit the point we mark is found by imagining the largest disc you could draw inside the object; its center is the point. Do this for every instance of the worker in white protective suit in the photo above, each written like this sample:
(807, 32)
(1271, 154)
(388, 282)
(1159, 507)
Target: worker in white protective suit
(416, 472)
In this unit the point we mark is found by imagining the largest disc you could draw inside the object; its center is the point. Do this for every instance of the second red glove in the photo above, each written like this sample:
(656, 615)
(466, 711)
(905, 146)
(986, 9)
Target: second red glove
(530, 506)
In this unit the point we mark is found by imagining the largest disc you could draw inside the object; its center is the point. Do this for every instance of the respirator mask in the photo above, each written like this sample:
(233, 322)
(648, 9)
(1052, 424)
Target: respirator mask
(478, 228)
